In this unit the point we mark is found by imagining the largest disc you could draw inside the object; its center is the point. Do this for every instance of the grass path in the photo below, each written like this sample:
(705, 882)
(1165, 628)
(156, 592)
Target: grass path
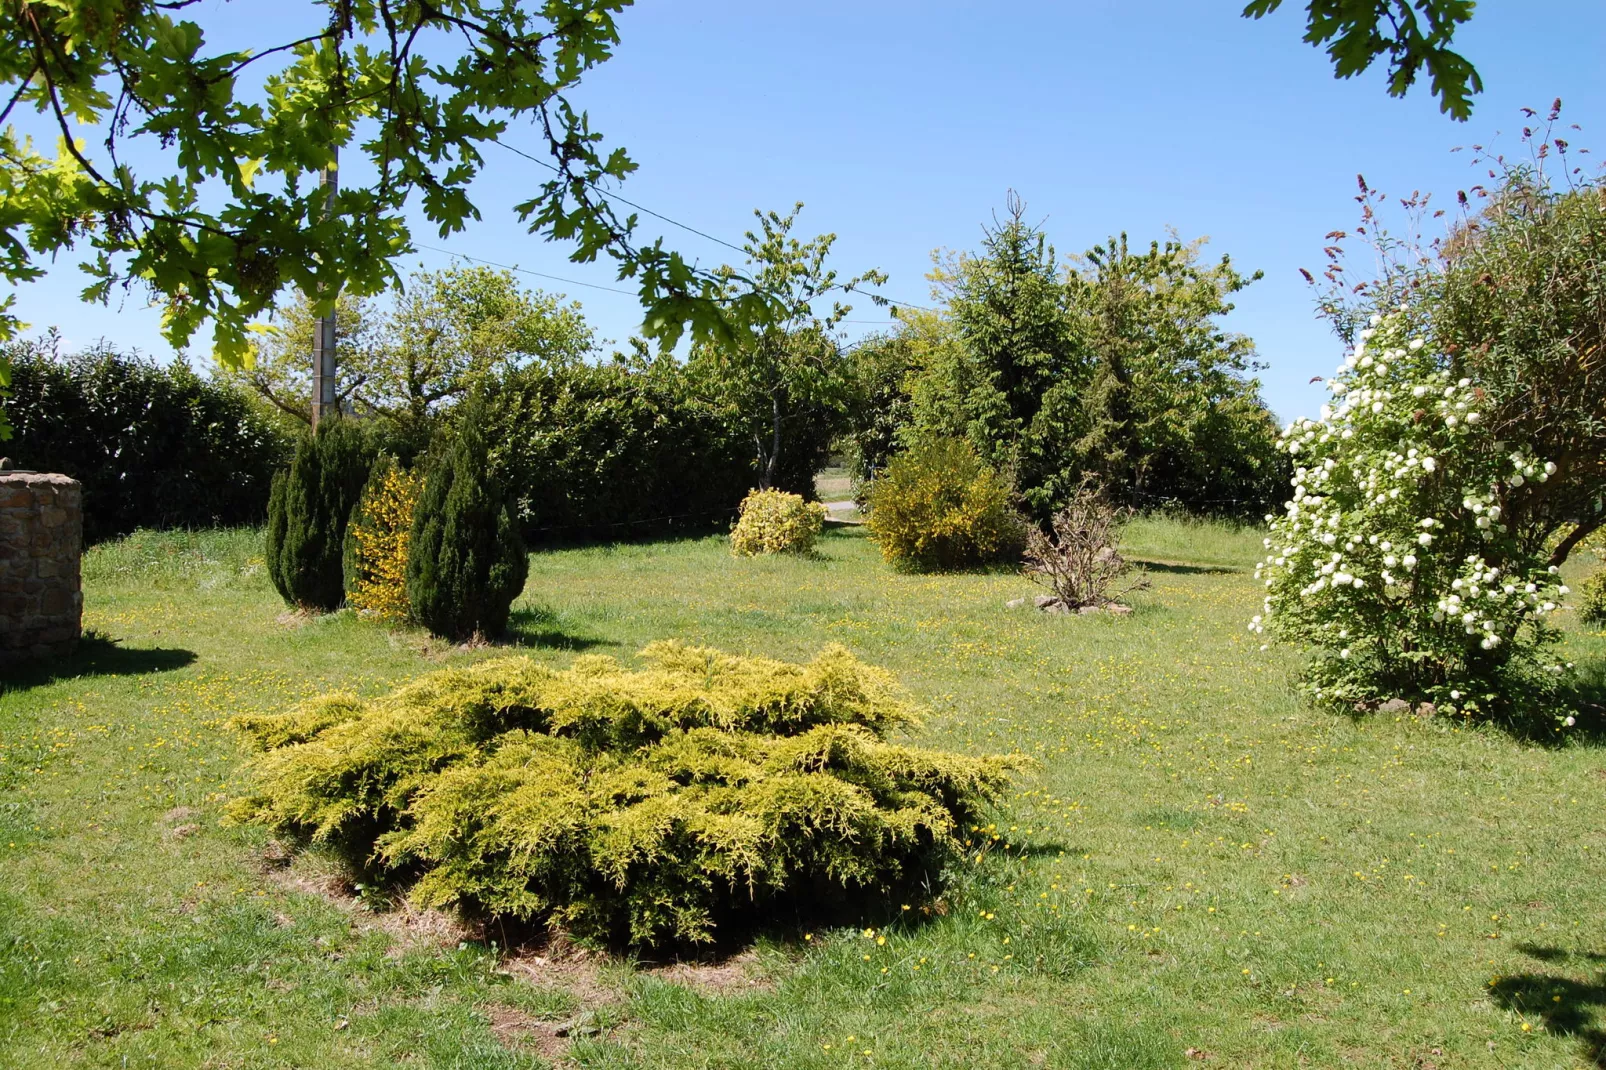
(1201, 864)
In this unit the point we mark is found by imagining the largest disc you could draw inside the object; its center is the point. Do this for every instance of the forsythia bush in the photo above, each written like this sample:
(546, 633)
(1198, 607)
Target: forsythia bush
(377, 540)
(1394, 559)
(642, 805)
(937, 506)
(774, 522)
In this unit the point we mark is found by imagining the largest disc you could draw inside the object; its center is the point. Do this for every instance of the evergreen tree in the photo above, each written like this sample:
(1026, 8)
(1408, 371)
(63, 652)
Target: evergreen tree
(309, 508)
(467, 560)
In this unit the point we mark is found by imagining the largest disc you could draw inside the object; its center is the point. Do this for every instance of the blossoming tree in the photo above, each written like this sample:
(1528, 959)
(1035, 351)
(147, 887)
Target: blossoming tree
(1397, 560)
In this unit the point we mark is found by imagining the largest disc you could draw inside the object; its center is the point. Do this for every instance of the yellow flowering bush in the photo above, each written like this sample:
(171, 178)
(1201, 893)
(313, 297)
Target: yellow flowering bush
(938, 506)
(377, 541)
(1592, 597)
(647, 806)
(774, 522)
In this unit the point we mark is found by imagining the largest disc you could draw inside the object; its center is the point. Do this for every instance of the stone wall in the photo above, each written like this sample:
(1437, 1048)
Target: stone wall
(41, 542)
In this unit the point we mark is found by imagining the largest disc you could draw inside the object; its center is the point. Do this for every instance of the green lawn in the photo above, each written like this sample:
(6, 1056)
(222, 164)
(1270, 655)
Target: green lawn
(1203, 871)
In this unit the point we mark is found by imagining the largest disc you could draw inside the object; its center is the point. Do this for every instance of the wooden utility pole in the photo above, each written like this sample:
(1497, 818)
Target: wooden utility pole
(323, 331)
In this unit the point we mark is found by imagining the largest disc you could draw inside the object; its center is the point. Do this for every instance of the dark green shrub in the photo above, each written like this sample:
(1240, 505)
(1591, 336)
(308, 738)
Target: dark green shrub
(308, 512)
(466, 562)
(937, 506)
(154, 446)
(615, 451)
(645, 806)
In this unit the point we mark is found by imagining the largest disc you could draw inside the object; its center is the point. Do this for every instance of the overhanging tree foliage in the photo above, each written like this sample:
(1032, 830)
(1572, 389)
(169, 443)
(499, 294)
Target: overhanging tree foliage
(235, 212)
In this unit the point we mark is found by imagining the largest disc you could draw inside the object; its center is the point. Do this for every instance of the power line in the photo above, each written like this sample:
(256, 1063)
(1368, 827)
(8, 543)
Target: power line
(688, 228)
(526, 271)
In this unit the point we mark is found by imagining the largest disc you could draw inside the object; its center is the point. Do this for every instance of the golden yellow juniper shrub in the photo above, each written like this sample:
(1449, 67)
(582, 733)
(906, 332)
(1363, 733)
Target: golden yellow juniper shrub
(377, 540)
(774, 522)
(937, 506)
(646, 806)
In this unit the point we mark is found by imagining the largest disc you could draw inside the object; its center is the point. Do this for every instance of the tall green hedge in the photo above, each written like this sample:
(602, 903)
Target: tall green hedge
(616, 451)
(308, 511)
(466, 562)
(155, 446)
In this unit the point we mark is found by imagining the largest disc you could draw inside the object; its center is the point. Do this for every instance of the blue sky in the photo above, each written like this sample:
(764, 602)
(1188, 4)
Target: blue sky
(902, 126)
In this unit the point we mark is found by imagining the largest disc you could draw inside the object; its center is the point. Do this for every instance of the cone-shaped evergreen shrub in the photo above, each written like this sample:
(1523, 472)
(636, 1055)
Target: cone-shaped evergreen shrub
(309, 507)
(466, 562)
(644, 806)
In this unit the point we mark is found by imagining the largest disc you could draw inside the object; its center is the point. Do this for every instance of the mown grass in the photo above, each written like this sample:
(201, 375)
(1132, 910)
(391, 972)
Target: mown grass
(1200, 862)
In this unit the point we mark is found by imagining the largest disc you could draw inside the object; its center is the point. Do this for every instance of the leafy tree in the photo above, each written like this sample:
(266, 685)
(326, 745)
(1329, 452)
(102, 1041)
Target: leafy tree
(1514, 300)
(1173, 412)
(233, 213)
(446, 332)
(308, 510)
(1413, 34)
(466, 562)
(785, 382)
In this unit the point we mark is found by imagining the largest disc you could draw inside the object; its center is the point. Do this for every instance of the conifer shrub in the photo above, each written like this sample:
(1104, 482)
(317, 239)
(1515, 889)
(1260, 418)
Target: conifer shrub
(774, 522)
(377, 540)
(937, 506)
(647, 807)
(466, 562)
(308, 509)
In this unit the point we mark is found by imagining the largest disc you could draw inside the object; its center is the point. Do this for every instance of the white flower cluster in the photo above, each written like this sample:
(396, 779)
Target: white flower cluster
(1400, 495)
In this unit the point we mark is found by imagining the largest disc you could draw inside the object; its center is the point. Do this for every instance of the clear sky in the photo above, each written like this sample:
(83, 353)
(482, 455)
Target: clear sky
(901, 125)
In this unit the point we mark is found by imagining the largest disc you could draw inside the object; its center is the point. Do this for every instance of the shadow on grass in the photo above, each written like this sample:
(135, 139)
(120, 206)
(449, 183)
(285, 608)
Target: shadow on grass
(538, 626)
(1562, 1005)
(96, 655)
(1184, 570)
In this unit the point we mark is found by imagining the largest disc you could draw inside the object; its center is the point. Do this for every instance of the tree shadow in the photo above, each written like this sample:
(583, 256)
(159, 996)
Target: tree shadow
(537, 626)
(1184, 570)
(1562, 1005)
(96, 655)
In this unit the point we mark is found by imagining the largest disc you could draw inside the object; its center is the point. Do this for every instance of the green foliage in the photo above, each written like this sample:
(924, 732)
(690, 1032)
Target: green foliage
(310, 506)
(154, 446)
(1117, 367)
(1417, 35)
(938, 506)
(774, 522)
(601, 451)
(466, 562)
(408, 362)
(785, 383)
(1514, 299)
(234, 212)
(1400, 559)
(1592, 597)
(645, 806)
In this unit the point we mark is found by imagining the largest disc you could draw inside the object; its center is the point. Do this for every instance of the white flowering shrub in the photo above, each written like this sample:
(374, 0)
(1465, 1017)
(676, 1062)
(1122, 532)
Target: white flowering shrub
(1394, 562)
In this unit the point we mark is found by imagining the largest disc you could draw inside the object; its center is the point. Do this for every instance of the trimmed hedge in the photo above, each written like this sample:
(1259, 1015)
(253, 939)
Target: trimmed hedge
(647, 807)
(154, 446)
(615, 451)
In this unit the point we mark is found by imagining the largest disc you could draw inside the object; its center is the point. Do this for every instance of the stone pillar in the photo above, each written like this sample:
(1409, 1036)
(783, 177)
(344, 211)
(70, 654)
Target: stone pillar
(41, 542)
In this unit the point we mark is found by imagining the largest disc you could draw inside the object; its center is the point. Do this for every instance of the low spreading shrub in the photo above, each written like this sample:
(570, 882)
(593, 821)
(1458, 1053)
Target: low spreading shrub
(774, 522)
(377, 540)
(937, 506)
(155, 446)
(465, 560)
(310, 506)
(645, 806)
